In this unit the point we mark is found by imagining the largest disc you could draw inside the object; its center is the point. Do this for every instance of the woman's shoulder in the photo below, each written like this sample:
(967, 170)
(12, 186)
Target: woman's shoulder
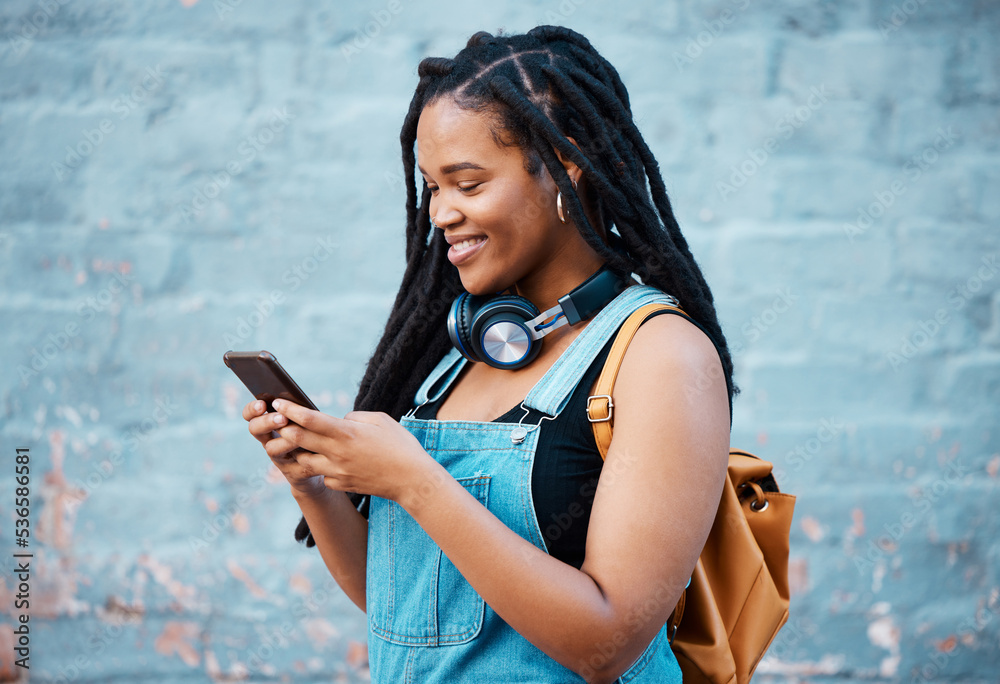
(667, 340)
(672, 358)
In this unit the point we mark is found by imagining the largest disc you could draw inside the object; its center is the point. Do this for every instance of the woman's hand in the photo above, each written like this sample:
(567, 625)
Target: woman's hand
(362, 452)
(282, 452)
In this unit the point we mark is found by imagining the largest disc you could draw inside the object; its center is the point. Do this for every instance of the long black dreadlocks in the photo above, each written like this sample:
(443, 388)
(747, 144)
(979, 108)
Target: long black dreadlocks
(539, 88)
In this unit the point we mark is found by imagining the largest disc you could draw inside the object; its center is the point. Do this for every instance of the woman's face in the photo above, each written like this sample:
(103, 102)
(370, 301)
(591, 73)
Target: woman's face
(500, 220)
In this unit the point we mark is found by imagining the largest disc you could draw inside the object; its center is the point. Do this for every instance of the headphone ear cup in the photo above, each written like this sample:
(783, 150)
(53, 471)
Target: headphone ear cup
(458, 326)
(510, 345)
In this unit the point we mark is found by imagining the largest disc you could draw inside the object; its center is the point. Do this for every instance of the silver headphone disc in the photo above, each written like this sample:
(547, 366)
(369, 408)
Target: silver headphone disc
(506, 342)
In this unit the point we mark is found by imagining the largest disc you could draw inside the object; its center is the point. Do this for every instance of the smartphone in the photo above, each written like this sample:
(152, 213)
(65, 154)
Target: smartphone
(265, 378)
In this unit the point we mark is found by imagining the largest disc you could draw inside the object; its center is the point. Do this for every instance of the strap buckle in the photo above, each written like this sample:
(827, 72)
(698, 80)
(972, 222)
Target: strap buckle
(610, 408)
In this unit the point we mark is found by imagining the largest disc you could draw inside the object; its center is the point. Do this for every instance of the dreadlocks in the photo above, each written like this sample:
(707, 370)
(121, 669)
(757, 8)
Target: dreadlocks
(539, 89)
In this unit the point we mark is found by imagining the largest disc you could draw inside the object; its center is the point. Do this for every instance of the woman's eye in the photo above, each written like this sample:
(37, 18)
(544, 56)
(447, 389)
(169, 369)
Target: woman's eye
(467, 188)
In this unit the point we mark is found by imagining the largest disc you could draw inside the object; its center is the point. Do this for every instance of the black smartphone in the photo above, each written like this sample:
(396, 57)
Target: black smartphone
(265, 378)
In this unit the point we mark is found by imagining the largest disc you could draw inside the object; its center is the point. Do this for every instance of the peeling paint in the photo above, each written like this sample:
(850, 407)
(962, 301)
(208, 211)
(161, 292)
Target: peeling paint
(243, 576)
(946, 645)
(176, 638)
(163, 575)
(55, 587)
(858, 520)
(59, 500)
(7, 666)
(812, 528)
(300, 583)
(829, 664)
(357, 654)
(320, 631)
(241, 523)
(798, 576)
(884, 633)
(993, 467)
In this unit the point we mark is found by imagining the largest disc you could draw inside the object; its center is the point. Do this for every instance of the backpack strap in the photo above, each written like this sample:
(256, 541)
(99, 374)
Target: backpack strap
(600, 407)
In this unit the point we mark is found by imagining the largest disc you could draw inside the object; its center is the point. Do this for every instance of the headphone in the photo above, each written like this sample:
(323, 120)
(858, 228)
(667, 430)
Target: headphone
(505, 331)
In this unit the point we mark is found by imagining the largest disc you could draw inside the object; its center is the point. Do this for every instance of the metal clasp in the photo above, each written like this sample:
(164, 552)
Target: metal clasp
(611, 406)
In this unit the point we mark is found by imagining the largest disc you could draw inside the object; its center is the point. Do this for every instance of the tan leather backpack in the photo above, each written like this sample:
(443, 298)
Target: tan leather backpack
(738, 596)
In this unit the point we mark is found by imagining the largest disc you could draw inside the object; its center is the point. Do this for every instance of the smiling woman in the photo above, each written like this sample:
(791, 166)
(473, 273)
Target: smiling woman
(492, 542)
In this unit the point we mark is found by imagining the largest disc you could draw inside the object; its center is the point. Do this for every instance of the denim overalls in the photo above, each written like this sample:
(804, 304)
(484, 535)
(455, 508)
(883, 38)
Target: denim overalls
(426, 624)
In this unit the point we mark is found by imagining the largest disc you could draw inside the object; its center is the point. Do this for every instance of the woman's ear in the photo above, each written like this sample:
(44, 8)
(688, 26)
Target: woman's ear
(572, 169)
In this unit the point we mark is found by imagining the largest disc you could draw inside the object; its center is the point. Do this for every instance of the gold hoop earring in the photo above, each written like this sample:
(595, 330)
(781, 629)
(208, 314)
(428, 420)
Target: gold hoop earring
(559, 207)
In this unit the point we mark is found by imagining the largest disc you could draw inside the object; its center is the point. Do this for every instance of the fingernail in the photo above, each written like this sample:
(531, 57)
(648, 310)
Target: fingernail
(278, 404)
(278, 418)
(259, 406)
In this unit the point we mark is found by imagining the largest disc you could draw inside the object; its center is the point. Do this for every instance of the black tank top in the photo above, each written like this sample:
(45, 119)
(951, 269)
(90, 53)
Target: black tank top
(567, 466)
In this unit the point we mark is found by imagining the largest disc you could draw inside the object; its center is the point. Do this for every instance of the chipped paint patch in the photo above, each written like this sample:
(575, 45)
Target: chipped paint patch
(858, 520)
(812, 528)
(884, 633)
(241, 523)
(320, 631)
(798, 576)
(176, 639)
(299, 583)
(947, 645)
(993, 467)
(357, 654)
(829, 664)
(60, 501)
(243, 576)
(7, 667)
(163, 575)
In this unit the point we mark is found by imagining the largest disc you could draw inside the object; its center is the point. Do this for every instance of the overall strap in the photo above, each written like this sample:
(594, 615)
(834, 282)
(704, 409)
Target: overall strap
(553, 391)
(446, 371)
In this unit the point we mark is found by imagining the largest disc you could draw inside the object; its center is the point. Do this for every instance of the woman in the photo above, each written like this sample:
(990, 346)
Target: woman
(491, 551)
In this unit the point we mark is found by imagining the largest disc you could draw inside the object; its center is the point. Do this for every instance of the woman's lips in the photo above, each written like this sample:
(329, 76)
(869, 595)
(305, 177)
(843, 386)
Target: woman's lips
(462, 252)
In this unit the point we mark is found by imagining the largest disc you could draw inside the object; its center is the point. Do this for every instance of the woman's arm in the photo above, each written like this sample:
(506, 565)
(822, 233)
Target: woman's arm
(341, 535)
(340, 532)
(655, 504)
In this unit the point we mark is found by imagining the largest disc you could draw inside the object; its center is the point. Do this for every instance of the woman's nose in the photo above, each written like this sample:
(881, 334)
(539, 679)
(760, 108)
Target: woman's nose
(444, 216)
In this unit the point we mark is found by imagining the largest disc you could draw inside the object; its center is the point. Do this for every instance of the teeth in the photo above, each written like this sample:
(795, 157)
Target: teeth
(467, 243)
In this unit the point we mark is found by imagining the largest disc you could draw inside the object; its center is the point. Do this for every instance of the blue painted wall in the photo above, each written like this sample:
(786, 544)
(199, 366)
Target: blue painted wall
(180, 178)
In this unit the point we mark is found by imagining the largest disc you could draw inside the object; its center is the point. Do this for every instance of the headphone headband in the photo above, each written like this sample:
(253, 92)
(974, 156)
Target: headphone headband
(504, 331)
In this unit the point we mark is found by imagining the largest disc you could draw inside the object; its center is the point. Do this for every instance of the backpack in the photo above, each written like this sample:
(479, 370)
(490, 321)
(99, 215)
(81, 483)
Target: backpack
(737, 599)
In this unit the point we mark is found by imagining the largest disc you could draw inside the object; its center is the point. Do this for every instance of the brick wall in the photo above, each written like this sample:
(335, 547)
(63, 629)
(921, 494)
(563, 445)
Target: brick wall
(181, 178)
